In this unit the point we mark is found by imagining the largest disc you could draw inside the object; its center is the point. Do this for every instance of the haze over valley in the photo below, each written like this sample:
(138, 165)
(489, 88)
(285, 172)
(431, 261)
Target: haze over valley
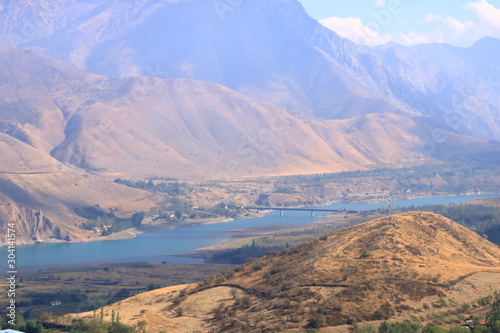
(124, 117)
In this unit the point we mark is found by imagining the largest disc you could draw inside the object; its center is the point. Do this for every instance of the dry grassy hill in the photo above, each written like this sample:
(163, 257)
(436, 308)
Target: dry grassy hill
(367, 272)
(147, 127)
(492, 202)
(40, 194)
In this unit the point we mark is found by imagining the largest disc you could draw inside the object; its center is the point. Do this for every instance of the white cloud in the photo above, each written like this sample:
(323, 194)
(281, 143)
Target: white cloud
(453, 23)
(413, 38)
(459, 32)
(487, 13)
(353, 29)
(484, 20)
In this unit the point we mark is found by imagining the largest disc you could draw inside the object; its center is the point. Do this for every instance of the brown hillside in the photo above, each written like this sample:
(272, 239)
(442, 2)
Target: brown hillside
(492, 202)
(147, 127)
(415, 246)
(367, 272)
(40, 194)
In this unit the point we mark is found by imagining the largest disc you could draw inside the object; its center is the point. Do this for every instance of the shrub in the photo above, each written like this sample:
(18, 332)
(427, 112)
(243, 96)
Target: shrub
(179, 311)
(256, 267)
(365, 329)
(384, 312)
(318, 321)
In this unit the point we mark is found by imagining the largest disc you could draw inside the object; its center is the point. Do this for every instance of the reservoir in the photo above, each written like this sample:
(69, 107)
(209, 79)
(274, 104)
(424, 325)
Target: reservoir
(166, 245)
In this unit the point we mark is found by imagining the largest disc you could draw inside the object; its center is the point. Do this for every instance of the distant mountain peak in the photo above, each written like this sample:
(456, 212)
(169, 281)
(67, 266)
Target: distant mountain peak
(269, 50)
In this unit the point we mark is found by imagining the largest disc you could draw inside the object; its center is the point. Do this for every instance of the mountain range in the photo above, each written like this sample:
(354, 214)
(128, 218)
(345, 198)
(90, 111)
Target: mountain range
(184, 128)
(41, 195)
(269, 50)
(192, 89)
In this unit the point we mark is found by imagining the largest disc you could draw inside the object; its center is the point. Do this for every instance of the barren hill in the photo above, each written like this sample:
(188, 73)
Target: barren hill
(366, 272)
(146, 127)
(40, 195)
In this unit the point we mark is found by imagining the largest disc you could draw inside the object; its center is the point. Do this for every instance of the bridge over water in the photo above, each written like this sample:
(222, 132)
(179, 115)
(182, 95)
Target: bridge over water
(312, 210)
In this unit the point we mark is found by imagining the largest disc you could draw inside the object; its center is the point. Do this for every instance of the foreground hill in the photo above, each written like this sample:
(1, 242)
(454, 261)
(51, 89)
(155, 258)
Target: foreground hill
(366, 272)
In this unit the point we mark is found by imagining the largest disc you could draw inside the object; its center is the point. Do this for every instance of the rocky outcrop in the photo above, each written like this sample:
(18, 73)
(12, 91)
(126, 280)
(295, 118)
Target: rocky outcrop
(32, 226)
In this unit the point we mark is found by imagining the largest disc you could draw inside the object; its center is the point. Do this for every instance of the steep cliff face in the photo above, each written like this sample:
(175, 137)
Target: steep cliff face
(33, 227)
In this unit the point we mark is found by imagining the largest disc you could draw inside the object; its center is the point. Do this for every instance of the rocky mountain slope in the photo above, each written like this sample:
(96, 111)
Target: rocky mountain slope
(366, 272)
(148, 127)
(272, 51)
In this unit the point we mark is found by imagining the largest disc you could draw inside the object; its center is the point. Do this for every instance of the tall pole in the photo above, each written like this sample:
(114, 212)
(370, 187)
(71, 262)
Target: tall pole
(391, 218)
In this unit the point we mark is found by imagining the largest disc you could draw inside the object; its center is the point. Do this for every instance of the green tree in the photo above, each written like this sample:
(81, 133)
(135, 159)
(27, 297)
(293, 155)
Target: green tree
(19, 323)
(137, 219)
(33, 327)
(384, 327)
(494, 314)
(496, 327)
(434, 329)
(94, 326)
(482, 329)
(318, 321)
(118, 327)
(399, 327)
(46, 317)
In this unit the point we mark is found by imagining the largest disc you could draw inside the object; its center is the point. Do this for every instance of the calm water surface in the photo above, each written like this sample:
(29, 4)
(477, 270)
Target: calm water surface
(164, 245)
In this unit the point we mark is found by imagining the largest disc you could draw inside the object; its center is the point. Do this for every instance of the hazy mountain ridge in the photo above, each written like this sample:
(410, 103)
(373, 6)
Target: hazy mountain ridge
(463, 90)
(273, 51)
(147, 127)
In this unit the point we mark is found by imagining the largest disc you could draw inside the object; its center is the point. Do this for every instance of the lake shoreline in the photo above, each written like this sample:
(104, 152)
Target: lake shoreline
(169, 242)
(155, 227)
(240, 239)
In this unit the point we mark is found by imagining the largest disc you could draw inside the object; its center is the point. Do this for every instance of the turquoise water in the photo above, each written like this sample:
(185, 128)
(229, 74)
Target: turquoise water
(164, 245)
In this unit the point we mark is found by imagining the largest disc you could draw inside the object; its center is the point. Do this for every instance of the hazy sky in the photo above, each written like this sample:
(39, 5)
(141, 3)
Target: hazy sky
(409, 22)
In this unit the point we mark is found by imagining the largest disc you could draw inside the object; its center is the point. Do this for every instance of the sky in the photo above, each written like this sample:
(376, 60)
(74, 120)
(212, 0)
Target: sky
(409, 22)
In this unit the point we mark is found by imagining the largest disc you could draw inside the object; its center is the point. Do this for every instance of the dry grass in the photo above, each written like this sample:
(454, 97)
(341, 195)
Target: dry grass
(157, 311)
(493, 202)
(348, 276)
